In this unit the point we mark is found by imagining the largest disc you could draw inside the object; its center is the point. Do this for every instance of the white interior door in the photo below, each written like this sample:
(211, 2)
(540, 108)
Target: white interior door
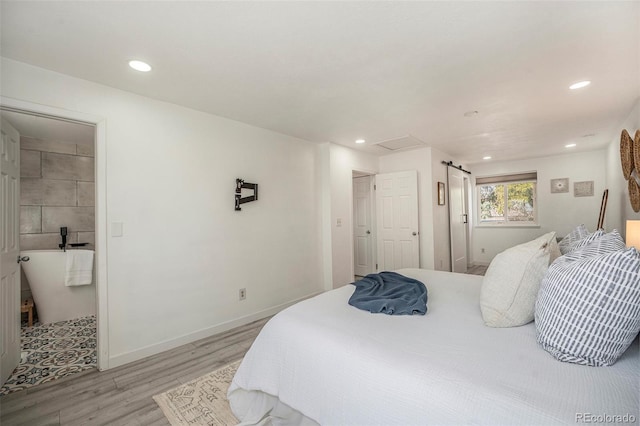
(9, 250)
(397, 220)
(457, 221)
(362, 227)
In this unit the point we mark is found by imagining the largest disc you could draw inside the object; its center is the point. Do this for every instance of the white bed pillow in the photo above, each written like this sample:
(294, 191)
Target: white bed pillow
(588, 308)
(510, 286)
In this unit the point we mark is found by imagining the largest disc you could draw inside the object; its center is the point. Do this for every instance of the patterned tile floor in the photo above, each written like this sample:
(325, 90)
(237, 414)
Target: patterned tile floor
(52, 351)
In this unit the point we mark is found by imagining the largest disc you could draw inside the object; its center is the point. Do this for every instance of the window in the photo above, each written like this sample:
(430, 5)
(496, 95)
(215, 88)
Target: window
(507, 199)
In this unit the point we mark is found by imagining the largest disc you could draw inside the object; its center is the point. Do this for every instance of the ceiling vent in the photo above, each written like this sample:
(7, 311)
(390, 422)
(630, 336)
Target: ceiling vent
(404, 142)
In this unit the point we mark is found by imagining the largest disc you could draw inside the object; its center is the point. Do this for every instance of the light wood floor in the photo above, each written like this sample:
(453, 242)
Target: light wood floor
(477, 269)
(122, 395)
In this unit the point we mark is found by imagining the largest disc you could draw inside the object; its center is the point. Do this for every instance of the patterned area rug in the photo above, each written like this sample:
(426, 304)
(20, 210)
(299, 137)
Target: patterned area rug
(202, 401)
(52, 351)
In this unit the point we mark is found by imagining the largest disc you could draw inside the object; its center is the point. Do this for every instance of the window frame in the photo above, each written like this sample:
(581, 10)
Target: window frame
(506, 223)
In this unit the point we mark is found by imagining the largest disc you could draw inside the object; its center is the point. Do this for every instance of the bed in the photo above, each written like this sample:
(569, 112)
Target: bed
(324, 362)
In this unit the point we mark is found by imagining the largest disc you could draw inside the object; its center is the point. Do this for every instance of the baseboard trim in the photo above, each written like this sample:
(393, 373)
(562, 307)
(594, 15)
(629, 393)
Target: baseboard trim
(126, 358)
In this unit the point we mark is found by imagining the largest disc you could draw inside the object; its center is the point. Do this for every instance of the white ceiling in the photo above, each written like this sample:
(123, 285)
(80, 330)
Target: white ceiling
(339, 71)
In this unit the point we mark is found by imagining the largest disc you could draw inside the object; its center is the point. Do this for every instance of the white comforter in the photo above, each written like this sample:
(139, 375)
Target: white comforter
(324, 361)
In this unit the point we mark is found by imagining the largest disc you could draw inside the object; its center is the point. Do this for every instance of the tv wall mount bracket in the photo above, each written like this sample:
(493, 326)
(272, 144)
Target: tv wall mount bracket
(240, 185)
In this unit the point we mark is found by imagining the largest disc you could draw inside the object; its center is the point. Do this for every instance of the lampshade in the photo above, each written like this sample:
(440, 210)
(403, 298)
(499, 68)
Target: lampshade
(633, 234)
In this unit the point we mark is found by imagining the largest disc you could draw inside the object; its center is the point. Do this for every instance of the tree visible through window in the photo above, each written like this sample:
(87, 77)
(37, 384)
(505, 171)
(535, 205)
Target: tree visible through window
(507, 201)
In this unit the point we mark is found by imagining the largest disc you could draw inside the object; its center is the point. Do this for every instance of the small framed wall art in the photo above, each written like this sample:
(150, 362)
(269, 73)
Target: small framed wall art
(559, 185)
(441, 194)
(583, 189)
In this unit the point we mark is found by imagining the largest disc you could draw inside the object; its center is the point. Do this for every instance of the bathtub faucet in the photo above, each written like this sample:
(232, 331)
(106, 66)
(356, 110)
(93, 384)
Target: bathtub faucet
(63, 234)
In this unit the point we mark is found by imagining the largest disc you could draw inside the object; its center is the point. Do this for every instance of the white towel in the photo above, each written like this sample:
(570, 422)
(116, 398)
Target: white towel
(79, 269)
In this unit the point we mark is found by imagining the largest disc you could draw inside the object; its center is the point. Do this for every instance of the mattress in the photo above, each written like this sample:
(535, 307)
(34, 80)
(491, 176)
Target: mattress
(323, 361)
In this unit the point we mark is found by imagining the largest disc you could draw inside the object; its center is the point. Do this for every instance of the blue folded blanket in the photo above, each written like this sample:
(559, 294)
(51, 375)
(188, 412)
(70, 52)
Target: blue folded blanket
(390, 293)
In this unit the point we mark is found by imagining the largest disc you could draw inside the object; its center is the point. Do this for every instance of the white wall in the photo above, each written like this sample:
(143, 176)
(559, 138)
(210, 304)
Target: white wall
(619, 208)
(170, 178)
(325, 227)
(556, 212)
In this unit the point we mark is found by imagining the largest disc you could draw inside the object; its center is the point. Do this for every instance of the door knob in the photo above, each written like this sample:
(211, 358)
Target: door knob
(414, 233)
(368, 232)
(23, 259)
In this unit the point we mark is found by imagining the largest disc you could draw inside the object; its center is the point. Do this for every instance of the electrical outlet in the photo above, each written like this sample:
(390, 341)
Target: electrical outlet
(242, 294)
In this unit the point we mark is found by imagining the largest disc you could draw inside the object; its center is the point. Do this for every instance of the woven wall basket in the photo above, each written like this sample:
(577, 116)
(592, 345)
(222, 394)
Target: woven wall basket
(626, 154)
(634, 195)
(636, 151)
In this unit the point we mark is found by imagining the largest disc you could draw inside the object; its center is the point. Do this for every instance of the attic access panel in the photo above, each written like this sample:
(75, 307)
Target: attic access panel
(401, 143)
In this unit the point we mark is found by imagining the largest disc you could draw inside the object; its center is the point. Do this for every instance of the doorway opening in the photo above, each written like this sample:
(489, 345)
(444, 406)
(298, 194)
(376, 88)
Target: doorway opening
(364, 241)
(466, 211)
(385, 221)
(57, 220)
(458, 218)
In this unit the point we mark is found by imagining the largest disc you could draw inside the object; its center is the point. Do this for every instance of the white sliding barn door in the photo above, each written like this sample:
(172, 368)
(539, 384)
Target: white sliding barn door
(397, 220)
(362, 227)
(9, 250)
(457, 221)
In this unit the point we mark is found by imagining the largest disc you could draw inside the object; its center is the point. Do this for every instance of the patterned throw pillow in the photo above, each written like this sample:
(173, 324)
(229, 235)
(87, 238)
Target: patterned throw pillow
(596, 244)
(588, 308)
(577, 234)
(586, 240)
(510, 286)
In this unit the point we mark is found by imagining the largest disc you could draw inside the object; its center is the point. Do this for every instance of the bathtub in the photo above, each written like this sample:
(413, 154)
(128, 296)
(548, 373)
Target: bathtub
(54, 301)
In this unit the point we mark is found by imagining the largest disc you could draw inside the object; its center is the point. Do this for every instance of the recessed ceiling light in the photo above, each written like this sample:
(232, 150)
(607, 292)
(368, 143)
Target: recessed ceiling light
(579, 85)
(486, 157)
(360, 141)
(140, 66)
(570, 145)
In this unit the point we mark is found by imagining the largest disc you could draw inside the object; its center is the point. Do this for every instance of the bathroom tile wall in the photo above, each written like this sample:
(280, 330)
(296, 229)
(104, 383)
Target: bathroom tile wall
(56, 189)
